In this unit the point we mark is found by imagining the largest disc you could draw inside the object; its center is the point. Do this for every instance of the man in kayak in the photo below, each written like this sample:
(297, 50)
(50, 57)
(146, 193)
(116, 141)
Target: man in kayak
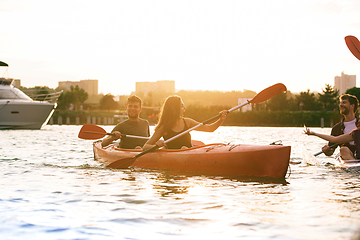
(354, 135)
(134, 125)
(348, 107)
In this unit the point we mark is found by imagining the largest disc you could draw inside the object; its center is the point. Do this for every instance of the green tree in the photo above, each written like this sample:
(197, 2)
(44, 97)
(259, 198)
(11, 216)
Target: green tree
(278, 102)
(107, 102)
(293, 105)
(307, 101)
(76, 97)
(79, 96)
(329, 98)
(37, 93)
(354, 91)
(148, 101)
(64, 101)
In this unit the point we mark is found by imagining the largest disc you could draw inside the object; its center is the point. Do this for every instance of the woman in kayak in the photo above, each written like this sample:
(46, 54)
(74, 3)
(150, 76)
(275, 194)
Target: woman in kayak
(172, 123)
(349, 137)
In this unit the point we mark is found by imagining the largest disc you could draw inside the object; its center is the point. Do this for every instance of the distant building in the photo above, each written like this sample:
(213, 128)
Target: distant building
(90, 86)
(344, 82)
(17, 83)
(158, 86)
(246, 107)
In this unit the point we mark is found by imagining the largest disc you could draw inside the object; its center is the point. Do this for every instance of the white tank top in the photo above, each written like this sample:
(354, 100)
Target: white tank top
(349, 126)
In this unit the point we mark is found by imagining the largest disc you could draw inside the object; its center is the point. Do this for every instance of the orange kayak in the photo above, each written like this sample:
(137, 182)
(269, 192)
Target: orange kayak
(216, 159)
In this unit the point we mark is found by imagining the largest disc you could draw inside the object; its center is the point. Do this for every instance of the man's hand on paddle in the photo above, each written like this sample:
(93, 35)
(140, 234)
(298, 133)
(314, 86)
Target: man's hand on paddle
(117, 135)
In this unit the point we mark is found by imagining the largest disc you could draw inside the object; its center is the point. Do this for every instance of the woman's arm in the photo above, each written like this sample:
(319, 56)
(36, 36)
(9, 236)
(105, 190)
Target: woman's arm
(335, 139)
(154, 140)
(207, 127)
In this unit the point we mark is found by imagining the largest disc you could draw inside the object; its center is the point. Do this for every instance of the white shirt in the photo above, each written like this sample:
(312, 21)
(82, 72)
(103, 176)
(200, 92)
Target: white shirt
(349, 126)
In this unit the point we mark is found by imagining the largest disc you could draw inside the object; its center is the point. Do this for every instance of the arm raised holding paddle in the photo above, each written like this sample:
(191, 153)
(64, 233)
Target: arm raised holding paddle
(173, 123)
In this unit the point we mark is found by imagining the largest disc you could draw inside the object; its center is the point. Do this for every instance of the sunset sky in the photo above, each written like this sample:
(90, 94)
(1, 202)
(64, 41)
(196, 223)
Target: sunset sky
(202, 45)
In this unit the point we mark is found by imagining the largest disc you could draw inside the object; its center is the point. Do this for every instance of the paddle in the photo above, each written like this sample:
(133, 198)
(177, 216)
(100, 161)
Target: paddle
(262, 96)
(354, 45)
(92, 132)
(318, 153)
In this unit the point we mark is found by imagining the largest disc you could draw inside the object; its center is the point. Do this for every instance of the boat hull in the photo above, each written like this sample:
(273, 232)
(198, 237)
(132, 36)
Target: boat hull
(217, 159)
(17, 114)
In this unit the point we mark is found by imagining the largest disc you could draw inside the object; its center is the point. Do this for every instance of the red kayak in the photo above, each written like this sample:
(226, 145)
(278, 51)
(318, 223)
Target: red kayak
(218, 159)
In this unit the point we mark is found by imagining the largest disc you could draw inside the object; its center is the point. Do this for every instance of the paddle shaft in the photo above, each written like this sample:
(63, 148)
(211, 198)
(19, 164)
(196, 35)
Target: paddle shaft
(205, 122)
(122, 135)
(318, 153)
(190, 129)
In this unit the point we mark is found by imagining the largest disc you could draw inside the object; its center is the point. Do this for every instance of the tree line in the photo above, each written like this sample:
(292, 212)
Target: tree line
(285, 109)
(327, 100)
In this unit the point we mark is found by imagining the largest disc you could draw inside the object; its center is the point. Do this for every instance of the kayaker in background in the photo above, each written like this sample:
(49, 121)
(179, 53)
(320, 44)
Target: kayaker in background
(134, 125)
(347, 137)
(172, 123)
(348, 107)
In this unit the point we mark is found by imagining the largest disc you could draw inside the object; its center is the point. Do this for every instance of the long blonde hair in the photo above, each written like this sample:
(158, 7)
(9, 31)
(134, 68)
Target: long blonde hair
(170, 112)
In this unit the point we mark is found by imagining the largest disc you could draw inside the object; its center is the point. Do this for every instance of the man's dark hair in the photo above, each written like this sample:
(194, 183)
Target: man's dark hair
(352, 100)
(134, 98)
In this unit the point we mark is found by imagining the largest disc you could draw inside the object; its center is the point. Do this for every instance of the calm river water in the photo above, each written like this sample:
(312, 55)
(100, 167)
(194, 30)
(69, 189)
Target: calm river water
(51, 188)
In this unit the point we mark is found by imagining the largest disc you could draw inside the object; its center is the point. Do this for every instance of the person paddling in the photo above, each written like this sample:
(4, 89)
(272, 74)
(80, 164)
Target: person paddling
(132, 126)
(348, 107)
(172, 122)
(344, 138)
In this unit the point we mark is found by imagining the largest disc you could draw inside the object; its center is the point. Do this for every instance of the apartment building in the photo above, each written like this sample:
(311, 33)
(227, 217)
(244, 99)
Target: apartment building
(90, 86)
(162, 86)
(344, 82)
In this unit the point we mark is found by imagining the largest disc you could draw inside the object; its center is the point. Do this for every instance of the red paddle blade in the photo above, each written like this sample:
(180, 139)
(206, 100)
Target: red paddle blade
(122, 163)
(268, 93)
(354, 45)
(91, 132)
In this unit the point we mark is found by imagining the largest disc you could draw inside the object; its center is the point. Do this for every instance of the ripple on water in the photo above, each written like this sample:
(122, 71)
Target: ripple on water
(51, 188)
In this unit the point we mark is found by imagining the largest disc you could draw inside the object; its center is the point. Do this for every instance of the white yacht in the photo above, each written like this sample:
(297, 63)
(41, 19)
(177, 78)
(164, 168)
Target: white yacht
(19, 111)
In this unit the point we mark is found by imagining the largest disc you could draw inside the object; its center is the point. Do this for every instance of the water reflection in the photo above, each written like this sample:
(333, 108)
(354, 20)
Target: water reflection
(169, 183)
(54, 184)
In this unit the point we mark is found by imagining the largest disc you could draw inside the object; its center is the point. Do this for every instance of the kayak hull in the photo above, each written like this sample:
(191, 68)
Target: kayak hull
(217, 159)
(347, 164)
